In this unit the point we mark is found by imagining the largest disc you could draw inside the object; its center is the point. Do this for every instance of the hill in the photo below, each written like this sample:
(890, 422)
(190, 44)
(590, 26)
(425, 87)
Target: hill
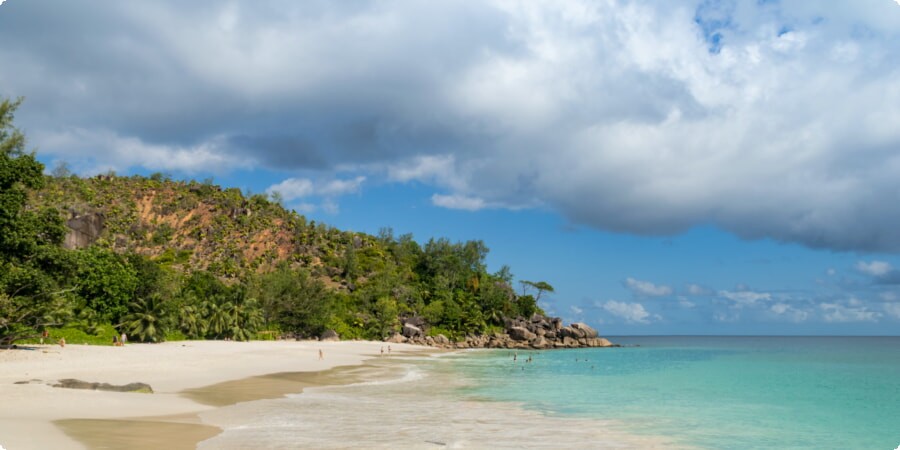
(309, 277)
(214, 241)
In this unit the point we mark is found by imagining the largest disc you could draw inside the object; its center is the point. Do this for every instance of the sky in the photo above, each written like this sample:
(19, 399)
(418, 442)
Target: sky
(677, 167)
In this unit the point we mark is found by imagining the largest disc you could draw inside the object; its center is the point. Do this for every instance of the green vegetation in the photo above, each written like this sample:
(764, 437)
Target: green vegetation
(160, 259)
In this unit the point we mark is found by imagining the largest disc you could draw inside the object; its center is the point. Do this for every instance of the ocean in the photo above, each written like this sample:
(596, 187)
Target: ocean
(674, 391)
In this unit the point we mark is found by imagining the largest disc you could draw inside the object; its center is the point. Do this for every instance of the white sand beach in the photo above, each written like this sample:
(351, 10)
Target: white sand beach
(27, 411)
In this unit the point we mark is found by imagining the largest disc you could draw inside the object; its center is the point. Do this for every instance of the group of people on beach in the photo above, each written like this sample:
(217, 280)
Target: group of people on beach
(120, 341)
(46, 335)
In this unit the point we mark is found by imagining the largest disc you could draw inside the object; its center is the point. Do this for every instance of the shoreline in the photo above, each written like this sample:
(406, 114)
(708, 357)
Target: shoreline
(210, 394)
(35, 413)
(416, 403)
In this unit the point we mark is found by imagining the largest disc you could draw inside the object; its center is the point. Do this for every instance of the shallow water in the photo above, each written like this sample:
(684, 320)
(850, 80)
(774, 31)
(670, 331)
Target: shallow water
(715, 392)
(706, 392)
(413, 405)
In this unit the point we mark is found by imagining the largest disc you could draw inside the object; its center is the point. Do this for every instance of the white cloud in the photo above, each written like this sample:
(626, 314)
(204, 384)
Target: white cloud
(330, 206)
(874, 268)
(789, 312)
(338, 187)
(101, 150)
(304, 207)
(727, 317)
(458, 202)
(835, 312)
(576, 310)
(646, 288)
(893, 309)
(295, 188)
(685, 303)
(745, 298)
(697, 290)
(631, 312)
(428, 169)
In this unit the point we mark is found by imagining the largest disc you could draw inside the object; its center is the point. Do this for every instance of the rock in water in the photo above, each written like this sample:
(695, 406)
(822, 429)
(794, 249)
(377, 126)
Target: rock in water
(571, 333)
(521, 334)
(588, 331)
(540, 343)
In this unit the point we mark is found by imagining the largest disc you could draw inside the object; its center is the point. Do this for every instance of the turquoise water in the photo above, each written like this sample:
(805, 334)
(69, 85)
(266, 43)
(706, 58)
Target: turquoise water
(712, 392)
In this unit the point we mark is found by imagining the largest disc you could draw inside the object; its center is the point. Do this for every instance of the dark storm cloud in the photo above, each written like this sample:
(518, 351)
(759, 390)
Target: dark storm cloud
(619, 115)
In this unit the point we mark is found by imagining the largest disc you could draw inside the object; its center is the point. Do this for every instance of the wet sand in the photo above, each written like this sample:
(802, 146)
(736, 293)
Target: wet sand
(139, 434)
(187, 378)
(274, 385)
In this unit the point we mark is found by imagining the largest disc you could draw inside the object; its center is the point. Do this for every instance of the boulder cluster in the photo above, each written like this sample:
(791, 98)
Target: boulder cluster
(538, 332)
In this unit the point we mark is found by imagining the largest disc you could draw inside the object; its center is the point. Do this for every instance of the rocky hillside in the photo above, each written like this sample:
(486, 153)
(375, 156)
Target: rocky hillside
(287, 275)
(194, 225)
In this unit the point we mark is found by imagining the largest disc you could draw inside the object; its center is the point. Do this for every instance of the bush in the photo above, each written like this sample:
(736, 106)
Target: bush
(267, 335)
(175, 336)
(434, 331)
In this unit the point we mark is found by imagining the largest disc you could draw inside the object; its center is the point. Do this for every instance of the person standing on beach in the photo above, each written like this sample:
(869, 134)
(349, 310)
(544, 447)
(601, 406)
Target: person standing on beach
(382, 350)
(321, 355)
(124, 339)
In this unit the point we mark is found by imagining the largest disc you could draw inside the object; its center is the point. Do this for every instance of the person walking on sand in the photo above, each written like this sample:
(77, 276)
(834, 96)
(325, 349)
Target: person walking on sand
(389, 350)
(124, 339)
(321, 355)
(382, 350)
(115, 340)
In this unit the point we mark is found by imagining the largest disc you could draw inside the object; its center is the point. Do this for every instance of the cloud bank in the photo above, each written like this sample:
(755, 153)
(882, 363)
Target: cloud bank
(768, 119)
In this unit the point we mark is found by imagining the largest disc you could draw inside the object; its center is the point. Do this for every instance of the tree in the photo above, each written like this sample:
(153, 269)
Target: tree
(148, 320)
(293, 300)
(32, 267)
(106, 283)
(61, 170)
(540, 286)
(245, 315)
(385, 316)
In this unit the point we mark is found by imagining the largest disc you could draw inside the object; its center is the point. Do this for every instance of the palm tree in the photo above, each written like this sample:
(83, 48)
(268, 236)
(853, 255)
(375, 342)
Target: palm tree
(246, 317)
(191, 322)
(146, 322)
(540, 286)
(218, 317)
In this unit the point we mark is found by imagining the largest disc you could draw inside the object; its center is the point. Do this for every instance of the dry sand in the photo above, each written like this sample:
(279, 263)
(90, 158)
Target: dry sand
(33, 415)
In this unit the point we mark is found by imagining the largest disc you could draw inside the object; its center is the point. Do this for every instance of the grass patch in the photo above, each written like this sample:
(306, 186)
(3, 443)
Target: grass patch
(99, 335)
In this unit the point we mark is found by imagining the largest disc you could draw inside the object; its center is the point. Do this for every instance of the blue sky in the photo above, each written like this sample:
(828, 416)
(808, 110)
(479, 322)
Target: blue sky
(690, 167)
